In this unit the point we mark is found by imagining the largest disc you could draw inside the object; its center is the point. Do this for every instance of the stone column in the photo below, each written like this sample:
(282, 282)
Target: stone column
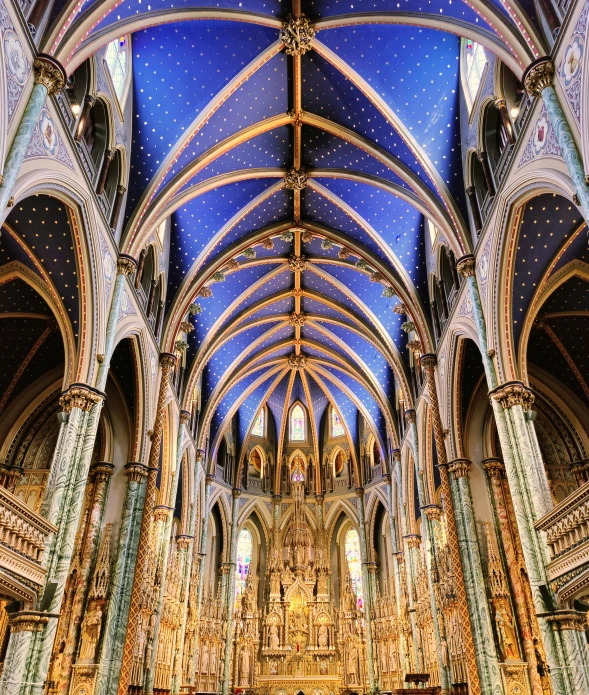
(230, 594)
(187, 550)
(396, 571)
(164, 549)
(119, 592)
(410, 575)
(23, 626)
(483, 158)
(534, 550)
(538, 81)
(428, 363)
(372, 680)
(116, 208)
(571, 626)
(101, 473)
(501, 105)
(522, 603)
(49, 79)
(167, 362)
(106, 162)
(471, 192)
(488, 662)
(427, 531)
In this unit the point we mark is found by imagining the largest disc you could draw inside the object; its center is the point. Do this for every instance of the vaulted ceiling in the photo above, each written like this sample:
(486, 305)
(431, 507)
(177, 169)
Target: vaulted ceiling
(299, 183)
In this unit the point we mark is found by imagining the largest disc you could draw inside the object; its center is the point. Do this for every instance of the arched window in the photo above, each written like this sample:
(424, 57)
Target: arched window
(244, 557)
(297, 424)
(258, 428)
(118, 60)
(337, 427)
(473, 66)
(352, 548)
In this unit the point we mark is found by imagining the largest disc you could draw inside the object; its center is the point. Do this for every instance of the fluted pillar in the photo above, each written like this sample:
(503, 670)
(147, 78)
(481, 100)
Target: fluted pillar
(230, 593)
(427, 531)
(167, 362)
(538, 81)
(101, 473)
(164, 548)
(367, 591)
(49, 78)
(534, 548)
(428, 363)
(121, 581)
(522, 602)
(476, 591)
(396, 571)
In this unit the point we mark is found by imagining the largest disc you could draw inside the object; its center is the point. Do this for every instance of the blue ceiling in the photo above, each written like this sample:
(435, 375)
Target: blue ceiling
(379, 105)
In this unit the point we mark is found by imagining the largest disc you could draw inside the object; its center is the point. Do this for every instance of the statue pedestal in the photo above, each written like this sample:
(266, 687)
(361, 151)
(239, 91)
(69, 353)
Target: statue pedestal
(515, 677)
(83, 678)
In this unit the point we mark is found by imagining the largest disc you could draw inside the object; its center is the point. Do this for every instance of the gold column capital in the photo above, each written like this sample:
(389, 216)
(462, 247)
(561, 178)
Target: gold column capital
(513, 393)
(411, 416)
(102, 471)
(80, 396)
(538, 76)
(28, 621)
(126, 264)
(136, 471)
(460, 468)
(494, 467)
(566, 620)
(465, 265)
(413, 540)
(184, 418)
(49, 73)
(396, 455)
(428, 362)
(167, 360)
(432, 511)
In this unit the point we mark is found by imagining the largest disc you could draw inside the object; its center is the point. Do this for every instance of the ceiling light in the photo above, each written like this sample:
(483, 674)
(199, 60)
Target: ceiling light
(514, 111)
(75, 109)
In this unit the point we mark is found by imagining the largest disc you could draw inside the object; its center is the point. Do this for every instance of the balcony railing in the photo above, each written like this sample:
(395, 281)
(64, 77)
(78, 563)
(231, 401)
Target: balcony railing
(567, 534)
(23, 534)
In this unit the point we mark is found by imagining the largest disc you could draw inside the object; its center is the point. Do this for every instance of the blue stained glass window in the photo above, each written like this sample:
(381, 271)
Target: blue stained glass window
(258, 428)
(244, 557)
(476, 60)
(116, 57)
(337, 427)
(352, 549)
(297, 424)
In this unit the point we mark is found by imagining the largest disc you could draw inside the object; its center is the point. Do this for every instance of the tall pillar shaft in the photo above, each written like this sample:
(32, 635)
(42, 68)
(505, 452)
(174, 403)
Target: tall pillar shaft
(230, 593)
(428, 364)
(367, 590)
(538, 80)
(120, 585)
(49, 79)
(167, 362)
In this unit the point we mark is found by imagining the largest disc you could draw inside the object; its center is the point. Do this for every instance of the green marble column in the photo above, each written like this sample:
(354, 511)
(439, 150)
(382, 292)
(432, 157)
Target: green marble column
(186, 559)
(372, 680)
(533, 548)
(119, 591)
(538, 80)
(484, 638)
(23, 626)
(49, 79)
(230, 592)
(164, 549)
(427, 532)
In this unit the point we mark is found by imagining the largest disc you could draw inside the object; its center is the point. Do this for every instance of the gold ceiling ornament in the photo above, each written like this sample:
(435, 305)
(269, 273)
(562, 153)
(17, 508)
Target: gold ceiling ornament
(415, 346)
(376, 277)
(297, 361)
(400, 308)
(296, 116)
(307, 237)
(297, 292)
(538, 76)
(233, 264)
(343, 253)
(268, 244)
(297, 35)
(297, 318)
(295, 179)
(186, 327)
(205, 292)
(297, 264)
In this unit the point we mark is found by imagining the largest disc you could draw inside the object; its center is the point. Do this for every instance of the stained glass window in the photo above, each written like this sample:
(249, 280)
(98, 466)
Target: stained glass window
(297, 424)
(116, 57)
(244, 557)
(337, 427)
(258, 428)
(352, 547)
(476, 60)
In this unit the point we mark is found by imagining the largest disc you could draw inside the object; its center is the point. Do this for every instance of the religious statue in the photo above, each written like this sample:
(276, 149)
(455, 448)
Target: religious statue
(506, 633)
(197, 661)
(90, 634)
(244, 666)
(323, 667)
(383, 658)
(323, 637)
(204, 662)
(273, 667)
(214, 660)
(445, 654)
(249, 599)
(353, 664)
(274, 639)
